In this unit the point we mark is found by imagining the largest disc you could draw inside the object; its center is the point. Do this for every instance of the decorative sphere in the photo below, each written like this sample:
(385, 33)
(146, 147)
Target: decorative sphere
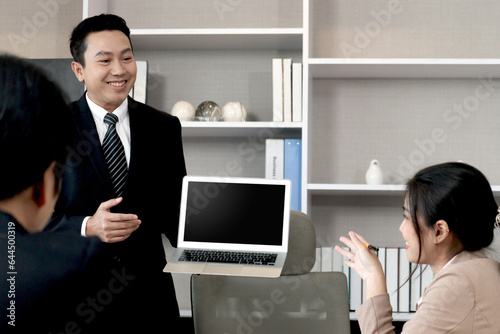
(234, 112)
(208, 111)
(184, 111)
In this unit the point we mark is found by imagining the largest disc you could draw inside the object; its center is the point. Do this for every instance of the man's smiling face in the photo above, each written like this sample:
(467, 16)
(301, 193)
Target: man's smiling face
(110, 69)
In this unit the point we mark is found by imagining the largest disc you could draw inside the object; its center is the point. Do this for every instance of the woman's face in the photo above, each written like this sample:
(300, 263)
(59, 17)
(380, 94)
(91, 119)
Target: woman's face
(411, 237)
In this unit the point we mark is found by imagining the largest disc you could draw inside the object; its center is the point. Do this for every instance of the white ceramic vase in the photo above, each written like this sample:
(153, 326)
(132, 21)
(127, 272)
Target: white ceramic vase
(374, 173)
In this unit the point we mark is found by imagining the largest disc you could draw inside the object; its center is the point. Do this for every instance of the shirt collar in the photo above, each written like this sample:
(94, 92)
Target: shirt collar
(99, 112)
(449, 262)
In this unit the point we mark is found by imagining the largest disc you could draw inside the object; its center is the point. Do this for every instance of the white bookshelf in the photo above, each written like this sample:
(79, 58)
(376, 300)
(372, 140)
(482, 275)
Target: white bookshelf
(379, 70)
(339, 192)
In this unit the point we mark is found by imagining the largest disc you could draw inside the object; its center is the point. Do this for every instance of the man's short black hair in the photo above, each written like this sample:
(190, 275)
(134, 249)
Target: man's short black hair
(102, 22)
(36, 125)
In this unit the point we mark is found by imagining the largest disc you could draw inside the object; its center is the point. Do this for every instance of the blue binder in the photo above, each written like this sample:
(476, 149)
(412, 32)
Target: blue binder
(293, 170)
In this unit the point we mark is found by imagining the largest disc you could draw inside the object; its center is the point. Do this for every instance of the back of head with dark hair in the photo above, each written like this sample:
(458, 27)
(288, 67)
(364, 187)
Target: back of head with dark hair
(35, 125)
(458, 194)
(92, 24)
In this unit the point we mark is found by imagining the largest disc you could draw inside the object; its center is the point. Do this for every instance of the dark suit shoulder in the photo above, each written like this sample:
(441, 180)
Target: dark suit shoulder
(151, 113)
(63, 253)
(79, 105)
(74, 105)
(56, 271)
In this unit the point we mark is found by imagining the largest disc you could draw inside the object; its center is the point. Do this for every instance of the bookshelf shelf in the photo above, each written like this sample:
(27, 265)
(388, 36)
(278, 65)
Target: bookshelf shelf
(241, 129)
(496, 190)
(355, 189)
(403, 68)
(352, 315)
(207, 39)
(335, 189)
(395, 316)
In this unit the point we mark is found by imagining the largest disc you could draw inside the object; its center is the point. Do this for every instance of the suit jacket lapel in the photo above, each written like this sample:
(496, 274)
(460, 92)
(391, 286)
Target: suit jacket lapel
(89, 141)
(137, 127)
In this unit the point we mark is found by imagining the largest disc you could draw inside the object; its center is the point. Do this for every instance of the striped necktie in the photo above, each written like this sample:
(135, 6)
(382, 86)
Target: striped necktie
(114, 155)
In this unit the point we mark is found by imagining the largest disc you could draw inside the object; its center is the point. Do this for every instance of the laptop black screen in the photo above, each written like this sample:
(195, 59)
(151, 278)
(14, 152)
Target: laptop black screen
(235, 213)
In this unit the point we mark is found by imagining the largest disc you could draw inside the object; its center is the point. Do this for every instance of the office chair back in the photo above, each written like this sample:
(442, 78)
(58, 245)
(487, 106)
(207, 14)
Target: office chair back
(296, 302)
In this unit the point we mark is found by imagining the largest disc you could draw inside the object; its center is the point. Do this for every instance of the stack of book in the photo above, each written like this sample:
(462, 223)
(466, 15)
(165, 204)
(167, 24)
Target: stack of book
(284, 161)
(287, 90)
(404, 293)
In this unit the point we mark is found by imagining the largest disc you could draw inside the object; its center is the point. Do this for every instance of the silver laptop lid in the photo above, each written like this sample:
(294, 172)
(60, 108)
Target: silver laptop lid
(228, 213)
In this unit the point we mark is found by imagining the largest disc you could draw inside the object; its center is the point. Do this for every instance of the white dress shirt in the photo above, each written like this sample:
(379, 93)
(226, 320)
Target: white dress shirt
(122, 129)
(122, 126)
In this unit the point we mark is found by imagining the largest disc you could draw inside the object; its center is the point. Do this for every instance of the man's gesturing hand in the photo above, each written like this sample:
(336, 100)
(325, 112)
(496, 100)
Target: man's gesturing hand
(111, 227)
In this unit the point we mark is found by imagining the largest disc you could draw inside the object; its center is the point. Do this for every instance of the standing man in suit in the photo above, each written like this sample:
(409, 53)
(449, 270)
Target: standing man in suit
(43, 276)
(123, 182)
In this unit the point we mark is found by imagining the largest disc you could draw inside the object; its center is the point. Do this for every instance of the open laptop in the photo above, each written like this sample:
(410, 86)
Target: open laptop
(232, 226)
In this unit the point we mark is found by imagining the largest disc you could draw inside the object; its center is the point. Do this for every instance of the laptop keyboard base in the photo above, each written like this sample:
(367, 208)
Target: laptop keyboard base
(264, 259)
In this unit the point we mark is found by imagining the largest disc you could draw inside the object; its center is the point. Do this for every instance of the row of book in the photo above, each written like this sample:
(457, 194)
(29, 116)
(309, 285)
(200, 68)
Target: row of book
(287, 90)
(404, 293)
(284, 161)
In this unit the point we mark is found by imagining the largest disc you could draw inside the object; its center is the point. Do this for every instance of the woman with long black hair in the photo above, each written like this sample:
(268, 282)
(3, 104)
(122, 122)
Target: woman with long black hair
(450, 215)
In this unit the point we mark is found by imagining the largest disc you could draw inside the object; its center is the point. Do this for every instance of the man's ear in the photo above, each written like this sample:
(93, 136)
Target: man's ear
(78, 70)
(39, 193)
(46, 186)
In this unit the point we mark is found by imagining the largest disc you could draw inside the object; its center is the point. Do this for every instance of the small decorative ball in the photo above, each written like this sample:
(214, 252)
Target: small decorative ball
(234, 112)
(208, 111)
(184, 111)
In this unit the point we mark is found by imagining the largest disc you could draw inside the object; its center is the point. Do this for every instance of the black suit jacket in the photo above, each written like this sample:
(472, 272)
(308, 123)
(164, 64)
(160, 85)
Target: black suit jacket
(152, 192)
(45, 277)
